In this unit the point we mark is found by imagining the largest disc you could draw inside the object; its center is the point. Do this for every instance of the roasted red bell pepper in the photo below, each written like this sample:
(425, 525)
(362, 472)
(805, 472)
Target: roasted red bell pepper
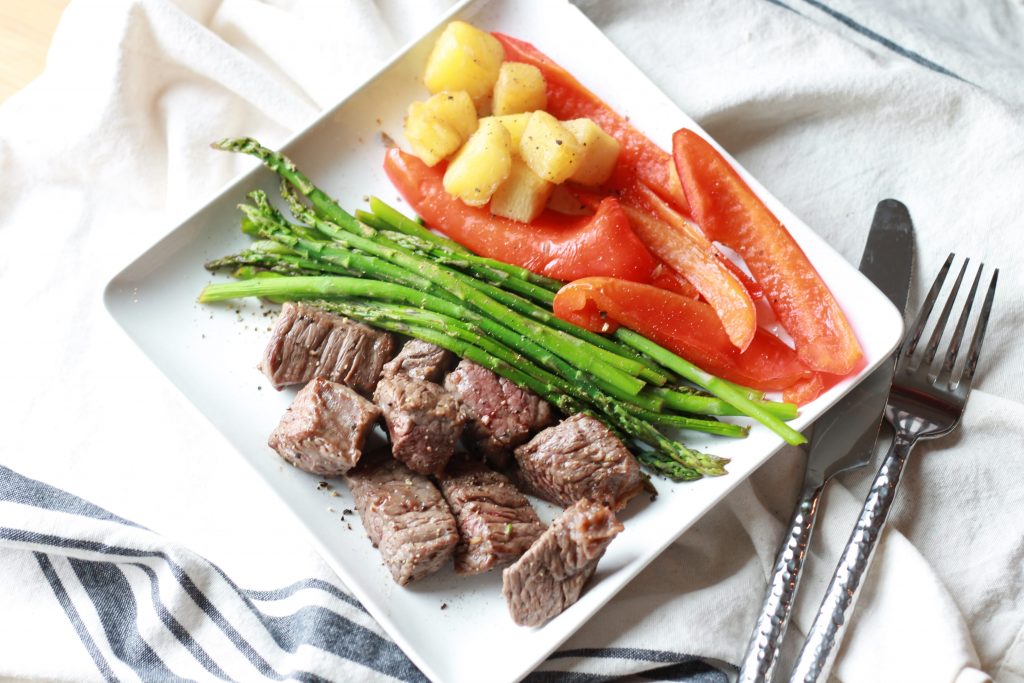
(679, 244)
(666, 278)
(640, 160)
(728, 211)
(689, 328)
(556, 245)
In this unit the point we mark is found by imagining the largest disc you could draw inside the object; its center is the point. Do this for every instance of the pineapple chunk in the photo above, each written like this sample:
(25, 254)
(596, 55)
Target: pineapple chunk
(437, 128)
(481, 165)
(464, 58)
(456, 109)
(523, 194)
(598, 152)
(515, 124)
(548, 149)
(520, 87)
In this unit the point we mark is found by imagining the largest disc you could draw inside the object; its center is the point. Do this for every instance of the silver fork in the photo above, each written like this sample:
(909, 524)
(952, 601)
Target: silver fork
(924, 403)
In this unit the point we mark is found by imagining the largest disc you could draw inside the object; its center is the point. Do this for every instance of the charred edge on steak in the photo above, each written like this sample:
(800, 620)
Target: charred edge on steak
(424, 422)
(551, 575)
(496, 522)
(420, 360)
(308, 342)
(501, 414)
(325, 428)
(405, 517)
(579, 458)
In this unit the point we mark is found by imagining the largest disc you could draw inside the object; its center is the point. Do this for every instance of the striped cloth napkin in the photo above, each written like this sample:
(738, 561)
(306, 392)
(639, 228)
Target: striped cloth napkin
(142, 607)
(833, 105)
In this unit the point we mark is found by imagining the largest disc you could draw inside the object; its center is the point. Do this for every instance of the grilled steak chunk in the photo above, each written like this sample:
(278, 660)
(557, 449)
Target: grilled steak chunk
(423, 419)
(501, 415)
(405, 517)
(308, 342)
(579, 458)
(496, 522)
(325, 428)
(551, 575)
(420, 360)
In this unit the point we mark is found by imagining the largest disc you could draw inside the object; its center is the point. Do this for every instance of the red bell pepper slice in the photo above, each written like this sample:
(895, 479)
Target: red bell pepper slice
(687, 327)
(679, 244)
(558, 246)
(666, 278)
(639, 158)
(729, 212)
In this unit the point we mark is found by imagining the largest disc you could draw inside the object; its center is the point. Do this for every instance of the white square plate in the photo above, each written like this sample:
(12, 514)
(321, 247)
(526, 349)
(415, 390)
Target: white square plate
(210, 352)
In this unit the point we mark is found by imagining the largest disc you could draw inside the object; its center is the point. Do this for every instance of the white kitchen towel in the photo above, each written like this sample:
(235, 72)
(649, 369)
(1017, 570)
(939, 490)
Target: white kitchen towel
(832, 105)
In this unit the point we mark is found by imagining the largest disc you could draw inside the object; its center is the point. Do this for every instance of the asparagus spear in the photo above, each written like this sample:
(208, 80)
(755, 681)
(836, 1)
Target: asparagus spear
(401, 223)
(724, 390)
(699, 404)
(325, 207)
(655, 460)
(572, 349)
(331, 287)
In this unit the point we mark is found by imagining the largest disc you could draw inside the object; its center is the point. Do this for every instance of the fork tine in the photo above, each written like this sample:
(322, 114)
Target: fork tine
(915, 332)
(940, 325)
(979, 334)
(958, 334)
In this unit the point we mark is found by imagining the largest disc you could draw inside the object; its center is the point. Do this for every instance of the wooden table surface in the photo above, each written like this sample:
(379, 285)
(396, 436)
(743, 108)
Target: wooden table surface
(26, 28)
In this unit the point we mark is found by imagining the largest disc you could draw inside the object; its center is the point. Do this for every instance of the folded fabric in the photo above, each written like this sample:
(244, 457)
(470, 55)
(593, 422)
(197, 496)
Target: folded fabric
(143, 608)
(833, 106)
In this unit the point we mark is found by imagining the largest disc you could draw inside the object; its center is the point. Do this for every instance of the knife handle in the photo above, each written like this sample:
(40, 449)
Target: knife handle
(823, 640)
(762, 651)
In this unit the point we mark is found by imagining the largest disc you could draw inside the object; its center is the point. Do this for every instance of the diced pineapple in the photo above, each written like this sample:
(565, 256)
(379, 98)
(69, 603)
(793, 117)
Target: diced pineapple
(520, 87)
(437, 128)
(523, 194)
(481, 165)
(548, 149)
(464, 58)
(598, 152)
(456, 109)
(515, 124)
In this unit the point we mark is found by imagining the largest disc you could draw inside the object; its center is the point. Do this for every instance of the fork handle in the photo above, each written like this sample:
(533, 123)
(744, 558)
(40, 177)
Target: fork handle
(762, 651)
(823, 640)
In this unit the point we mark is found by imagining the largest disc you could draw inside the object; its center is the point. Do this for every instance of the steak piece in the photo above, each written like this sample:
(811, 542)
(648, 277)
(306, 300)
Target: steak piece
(550, 576)
(423, 419)
(405, 517)
(579, 458)
(325, 428)
(496, 522)
(420, 360)
(501, 415)
(308, 342)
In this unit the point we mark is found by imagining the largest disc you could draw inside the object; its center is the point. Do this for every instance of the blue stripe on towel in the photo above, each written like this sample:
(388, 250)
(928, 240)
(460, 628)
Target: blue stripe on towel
(637, 653)
(175, 627)
(17, 488)
(303, 584)
(329, 631)
(179, 574)
(62, 597)
(567, 677)
(111, 595)
(882, 40)
(680, 667)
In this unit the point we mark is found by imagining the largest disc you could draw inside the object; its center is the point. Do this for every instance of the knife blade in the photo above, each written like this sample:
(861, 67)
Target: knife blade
(843, 439)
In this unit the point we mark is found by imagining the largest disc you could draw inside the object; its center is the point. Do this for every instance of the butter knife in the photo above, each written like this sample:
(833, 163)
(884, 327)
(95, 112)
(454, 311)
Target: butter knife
(843, 440)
